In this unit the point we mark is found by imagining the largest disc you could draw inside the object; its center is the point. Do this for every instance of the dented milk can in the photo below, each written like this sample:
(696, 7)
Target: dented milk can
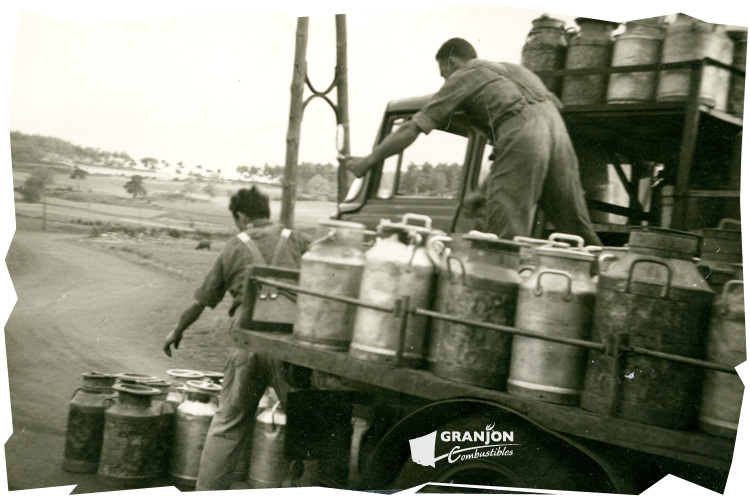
(268, 468)
(131, 437)
(85, 429)
(480, 282)
(653, 299)
(722, 392)
(333, 265)
(545, 48)
(557, 299)
(396, 266)
(192, 420)
(591, 47)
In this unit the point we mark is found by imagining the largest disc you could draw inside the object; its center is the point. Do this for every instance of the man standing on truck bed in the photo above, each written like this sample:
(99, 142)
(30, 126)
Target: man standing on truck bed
(534, 162)
(246, 374)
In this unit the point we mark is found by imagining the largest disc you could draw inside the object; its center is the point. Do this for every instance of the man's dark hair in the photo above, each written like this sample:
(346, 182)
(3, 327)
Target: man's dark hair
(456, 47)
(250, 202)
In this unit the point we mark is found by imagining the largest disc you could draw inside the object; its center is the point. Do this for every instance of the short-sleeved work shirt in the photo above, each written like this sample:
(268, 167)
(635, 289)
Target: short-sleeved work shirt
(487, 92)
(228, 272)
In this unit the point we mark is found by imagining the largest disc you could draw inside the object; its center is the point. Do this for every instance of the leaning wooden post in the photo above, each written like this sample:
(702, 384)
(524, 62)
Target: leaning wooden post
(289, 183)
(342, 102)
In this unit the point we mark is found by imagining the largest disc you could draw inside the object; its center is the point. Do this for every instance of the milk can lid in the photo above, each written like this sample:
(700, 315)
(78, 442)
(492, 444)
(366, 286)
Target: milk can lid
(183, 373)
(203, 386)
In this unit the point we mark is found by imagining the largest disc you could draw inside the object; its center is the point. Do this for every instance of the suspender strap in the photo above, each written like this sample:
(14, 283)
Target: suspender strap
(257, 256)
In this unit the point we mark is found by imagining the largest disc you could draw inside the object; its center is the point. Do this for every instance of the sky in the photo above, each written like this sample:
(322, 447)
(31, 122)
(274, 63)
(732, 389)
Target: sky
(208, 82)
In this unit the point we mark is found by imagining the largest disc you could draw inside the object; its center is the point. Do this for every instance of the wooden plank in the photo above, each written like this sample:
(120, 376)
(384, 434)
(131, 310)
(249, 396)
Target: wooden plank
(693, 447)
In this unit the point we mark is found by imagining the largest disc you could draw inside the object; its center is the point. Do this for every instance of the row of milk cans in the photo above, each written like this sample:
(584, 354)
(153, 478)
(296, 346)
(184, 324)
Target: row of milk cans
(133, 429)
(650, 295)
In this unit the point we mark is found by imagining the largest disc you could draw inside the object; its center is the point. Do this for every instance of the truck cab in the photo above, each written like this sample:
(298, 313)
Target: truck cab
(430, 177)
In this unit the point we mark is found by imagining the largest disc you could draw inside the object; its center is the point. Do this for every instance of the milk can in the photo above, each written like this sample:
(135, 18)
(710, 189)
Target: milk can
(722, 392)
(639, 44)
(479, 283)
(655, 299)
(736, 98)
(131, 436)
(179, 377)
(557, 299)
(268, 468)
(591, 47)
(85, 428)
(192, 420)
(333, 264)
(397, 266)
(545, 48)
(690, 39)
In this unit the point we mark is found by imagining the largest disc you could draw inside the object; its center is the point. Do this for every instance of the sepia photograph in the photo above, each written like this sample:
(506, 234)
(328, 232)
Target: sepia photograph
(413, 247)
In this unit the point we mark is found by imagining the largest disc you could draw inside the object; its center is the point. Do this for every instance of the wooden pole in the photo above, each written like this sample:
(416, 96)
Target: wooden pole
(289, 183)
(342, 101)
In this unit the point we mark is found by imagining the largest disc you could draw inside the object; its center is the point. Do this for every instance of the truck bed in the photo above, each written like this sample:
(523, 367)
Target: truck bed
(698, 448)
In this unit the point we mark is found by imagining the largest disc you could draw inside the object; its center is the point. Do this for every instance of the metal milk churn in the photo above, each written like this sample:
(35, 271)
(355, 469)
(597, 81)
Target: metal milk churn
(479, 283)
(268, 468)
(85, 428)
(333, 264)
(639, 44)
(690, 39)
(722, 392)
(653, 299)
(396, 266)
(131, 436)
(179, 378)
(736, 99)
(545, 48)
(557, 299)
(591, 47)
(192, 420)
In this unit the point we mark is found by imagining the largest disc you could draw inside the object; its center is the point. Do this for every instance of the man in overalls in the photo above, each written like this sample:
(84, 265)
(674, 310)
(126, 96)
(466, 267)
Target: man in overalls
(534, 163)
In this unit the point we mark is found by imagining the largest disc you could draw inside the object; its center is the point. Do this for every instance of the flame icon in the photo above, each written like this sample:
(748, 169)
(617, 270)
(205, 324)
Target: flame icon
(490, 427)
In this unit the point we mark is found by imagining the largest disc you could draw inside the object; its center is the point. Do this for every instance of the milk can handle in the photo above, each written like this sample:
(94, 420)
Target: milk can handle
(653, 261)
(538, 289)
(76, 392)
(415, 240)
(563, 237)
(329, 236)
(109, 402)
(273, 412)
(461, 263)
(724, 308)
(422, 218)
(434, 251)
(729, 222)
(602, 258)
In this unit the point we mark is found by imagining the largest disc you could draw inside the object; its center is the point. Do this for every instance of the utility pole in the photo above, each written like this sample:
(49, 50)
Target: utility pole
(297, 109)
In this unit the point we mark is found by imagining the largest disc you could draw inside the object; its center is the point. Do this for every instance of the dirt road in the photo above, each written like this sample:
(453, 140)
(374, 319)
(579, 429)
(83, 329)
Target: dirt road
(78, 310)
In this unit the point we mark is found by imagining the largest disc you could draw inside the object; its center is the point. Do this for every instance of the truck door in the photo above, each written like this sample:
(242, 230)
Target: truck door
(430, 177)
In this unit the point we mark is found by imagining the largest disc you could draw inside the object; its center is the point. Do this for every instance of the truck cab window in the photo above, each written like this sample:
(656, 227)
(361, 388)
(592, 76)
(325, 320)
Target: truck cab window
(429, 168)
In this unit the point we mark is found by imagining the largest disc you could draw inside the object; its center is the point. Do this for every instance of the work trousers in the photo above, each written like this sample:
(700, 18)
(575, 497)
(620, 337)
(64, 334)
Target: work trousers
(225, 455)
(535, 165)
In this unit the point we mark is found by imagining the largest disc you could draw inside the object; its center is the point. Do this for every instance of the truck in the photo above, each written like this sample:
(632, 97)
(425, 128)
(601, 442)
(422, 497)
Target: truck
(377, 426)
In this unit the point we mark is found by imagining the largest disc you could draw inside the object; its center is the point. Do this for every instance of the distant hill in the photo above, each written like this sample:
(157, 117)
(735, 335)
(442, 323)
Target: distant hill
(25, 148)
